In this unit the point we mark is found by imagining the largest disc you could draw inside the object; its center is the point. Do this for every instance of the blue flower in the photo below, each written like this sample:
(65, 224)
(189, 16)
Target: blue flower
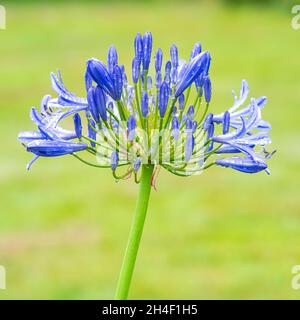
(65, 97)
(193, 70)
(131, 125)
(245, 137)
(49, 148)
(242, 164)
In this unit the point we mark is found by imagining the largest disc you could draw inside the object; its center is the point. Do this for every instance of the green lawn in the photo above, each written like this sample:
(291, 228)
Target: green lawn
(223, 234)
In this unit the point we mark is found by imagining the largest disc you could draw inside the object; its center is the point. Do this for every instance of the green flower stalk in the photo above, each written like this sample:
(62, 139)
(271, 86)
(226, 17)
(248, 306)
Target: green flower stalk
(135, 233)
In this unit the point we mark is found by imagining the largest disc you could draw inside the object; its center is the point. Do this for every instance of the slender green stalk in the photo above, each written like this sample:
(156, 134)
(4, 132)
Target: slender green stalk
(135, 234)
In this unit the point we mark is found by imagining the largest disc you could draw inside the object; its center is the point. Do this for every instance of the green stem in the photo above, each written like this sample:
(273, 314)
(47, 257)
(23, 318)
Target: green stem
(135, 234)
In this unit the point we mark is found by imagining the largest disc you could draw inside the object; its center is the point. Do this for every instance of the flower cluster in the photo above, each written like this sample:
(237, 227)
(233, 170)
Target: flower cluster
(161, 119)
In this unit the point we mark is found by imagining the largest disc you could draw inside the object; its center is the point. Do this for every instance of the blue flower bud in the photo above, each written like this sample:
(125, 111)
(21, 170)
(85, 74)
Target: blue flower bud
(98, 72)
(207, 89)
(50, 148)
(137, 164)
(196, 50)
(131, 125)
(175, 128)
(206, 70)
(92, 102)
(228, 149)
(100, 100)
(147, 49)
(168, 67)
(181, 101)
(226, 122)
(261, 101)
(138, 47)
(88, 81)
(174, 111)
(191, 112)
(114, 159)
(91, 132)
(124, 76)
(149, 83)
(174, 76)
(189, 147)
(199, 83)
(163, 98)
(118, 82)
(193, 70)
(135, 70)
(207, 122)
(97, 103)
(209, 135)
(158, 79)
(145, 104)
(77, 125)
(112, 58)
(210, 131)
(175, 123)
(246, 165)
(158, 60)
(189, 124)
(174, 56)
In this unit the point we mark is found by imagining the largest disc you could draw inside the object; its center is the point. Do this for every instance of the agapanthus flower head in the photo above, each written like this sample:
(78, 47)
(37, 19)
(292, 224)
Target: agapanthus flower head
(161, 119)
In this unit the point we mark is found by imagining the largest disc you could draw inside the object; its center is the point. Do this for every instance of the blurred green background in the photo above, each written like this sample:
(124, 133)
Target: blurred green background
(220, 235)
